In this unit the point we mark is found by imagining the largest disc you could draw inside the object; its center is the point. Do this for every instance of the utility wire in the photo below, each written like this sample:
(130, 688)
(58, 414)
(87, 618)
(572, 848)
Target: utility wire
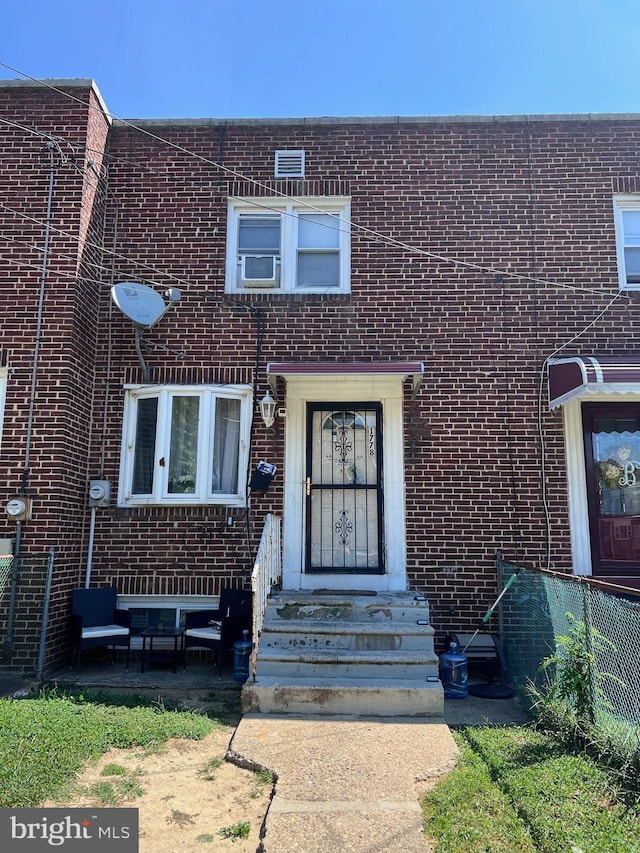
(545, 500)
(376, 236)
(88, 243)
(485, 270)
(500, 274)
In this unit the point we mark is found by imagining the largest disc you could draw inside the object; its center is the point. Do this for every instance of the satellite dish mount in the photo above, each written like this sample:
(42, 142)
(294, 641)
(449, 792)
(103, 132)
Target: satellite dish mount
(144, 306)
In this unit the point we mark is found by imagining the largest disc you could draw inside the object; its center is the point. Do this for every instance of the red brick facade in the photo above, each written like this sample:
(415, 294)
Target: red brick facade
(478, 247)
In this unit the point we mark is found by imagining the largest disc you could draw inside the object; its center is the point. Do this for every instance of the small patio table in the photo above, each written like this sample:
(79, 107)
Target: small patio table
(152, 633)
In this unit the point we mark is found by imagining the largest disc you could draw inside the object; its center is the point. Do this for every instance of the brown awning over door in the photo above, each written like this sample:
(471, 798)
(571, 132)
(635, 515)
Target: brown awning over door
(570, 377)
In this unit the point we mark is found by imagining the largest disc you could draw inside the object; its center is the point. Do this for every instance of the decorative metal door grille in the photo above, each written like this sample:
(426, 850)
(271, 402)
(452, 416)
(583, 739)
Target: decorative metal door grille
(344, 492)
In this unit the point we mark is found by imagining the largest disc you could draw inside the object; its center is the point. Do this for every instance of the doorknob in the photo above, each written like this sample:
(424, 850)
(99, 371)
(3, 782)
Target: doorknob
(308, 486)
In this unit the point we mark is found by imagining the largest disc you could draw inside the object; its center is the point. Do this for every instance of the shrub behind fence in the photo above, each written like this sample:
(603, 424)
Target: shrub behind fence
(535, 612)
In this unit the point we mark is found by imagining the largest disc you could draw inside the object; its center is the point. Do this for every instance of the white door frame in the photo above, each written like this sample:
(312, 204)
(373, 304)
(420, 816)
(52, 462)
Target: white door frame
(337, 389)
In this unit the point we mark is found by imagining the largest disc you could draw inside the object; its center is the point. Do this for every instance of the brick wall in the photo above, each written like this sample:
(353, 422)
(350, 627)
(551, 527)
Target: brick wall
(51, 367)
(531, 198)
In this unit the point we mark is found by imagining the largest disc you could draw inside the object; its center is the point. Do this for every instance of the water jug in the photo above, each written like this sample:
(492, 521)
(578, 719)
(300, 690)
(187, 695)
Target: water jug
(453, 673)
(241, 657)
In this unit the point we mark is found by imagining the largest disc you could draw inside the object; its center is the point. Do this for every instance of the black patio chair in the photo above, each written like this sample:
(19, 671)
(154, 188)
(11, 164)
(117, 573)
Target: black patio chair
(97, 621)
(217, 630)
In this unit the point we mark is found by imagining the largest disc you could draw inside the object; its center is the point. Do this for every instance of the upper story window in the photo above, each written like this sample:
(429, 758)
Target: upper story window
(185, 445)
(627, 221)
(283, 245)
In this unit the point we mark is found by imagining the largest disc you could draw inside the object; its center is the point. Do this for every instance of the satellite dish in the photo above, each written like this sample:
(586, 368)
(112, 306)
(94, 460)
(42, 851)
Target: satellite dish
(139, 302)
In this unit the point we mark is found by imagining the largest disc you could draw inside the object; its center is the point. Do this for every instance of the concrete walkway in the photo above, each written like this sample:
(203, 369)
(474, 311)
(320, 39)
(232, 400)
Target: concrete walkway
(353, 784)
(344, 784)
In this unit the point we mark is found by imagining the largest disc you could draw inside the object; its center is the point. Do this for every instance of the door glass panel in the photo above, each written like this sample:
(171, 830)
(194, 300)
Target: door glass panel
(345, 531)
(616, 460)
(346, 450)
(344, 491)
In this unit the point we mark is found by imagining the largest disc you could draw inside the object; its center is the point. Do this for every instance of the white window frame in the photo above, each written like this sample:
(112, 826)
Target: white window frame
(622, 203)
(288, 210)
(160, 496)
(4, 373)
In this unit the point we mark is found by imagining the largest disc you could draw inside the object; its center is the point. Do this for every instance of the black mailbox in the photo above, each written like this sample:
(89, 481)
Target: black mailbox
(262, 476)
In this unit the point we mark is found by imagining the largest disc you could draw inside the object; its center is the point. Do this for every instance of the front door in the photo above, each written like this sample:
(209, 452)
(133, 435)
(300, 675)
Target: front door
(344, 488)
(612, 454)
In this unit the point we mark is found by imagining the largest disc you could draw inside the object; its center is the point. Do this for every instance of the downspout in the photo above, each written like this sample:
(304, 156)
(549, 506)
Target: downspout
(92, 530)
(258, 316)
(92, 519)
(54, 151)
(45, 615)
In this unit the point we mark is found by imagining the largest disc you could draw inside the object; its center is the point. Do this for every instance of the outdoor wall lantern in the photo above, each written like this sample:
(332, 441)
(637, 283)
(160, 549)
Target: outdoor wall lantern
(268, 410)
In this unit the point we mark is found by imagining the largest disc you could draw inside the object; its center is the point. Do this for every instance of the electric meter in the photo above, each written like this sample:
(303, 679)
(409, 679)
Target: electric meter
(19, 508)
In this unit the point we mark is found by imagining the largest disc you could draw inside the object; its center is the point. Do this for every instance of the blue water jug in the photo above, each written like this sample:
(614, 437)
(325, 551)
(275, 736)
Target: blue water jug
(241, 657)
(453, 673)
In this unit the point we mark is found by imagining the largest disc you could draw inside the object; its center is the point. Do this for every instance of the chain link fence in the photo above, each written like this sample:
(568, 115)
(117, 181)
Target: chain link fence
(6, 567)
(23, 612)
(543, 607)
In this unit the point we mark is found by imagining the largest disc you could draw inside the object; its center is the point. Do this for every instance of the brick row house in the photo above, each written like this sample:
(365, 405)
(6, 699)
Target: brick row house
(442, 311)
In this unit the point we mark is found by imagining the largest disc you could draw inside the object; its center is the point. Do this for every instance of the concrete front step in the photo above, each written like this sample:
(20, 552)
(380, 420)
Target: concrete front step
(343, 663)
(379, 609)
(363, 636)
(344, 653)
(350, 696)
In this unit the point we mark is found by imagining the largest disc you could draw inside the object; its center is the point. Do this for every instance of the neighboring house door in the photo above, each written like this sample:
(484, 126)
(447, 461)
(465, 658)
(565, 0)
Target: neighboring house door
(344, 489)
(612, 455)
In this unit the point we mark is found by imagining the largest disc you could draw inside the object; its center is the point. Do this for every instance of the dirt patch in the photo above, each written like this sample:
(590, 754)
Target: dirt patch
(189, 798)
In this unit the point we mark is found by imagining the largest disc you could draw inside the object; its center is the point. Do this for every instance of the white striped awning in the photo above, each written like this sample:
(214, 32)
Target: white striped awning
(571, 377)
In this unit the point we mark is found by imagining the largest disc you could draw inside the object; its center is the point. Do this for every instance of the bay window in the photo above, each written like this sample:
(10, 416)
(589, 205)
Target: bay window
(185, 445)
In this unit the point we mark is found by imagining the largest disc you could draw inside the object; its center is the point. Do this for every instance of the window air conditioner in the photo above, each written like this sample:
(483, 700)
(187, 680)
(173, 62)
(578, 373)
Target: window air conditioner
(259, 270)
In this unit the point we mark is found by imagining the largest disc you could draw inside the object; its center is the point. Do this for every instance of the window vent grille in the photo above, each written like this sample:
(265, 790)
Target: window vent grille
(289, 164)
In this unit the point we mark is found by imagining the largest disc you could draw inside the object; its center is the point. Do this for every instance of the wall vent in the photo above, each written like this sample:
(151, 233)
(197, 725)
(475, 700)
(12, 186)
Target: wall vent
(289, 164)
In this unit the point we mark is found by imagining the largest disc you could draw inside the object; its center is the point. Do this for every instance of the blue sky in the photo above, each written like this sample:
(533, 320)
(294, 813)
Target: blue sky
(251, 58)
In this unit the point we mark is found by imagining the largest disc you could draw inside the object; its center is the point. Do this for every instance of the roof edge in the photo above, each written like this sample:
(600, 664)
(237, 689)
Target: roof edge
(377, 120)
(63, 83)
(89, 83)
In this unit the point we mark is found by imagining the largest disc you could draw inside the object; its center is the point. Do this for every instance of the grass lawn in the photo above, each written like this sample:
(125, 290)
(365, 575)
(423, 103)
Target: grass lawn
(514, 790)
(45, 741)
(517, 790)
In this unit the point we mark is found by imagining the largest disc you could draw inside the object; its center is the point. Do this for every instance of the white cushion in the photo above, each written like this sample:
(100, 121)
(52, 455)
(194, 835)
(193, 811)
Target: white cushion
(203, 633)
(95, 631)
